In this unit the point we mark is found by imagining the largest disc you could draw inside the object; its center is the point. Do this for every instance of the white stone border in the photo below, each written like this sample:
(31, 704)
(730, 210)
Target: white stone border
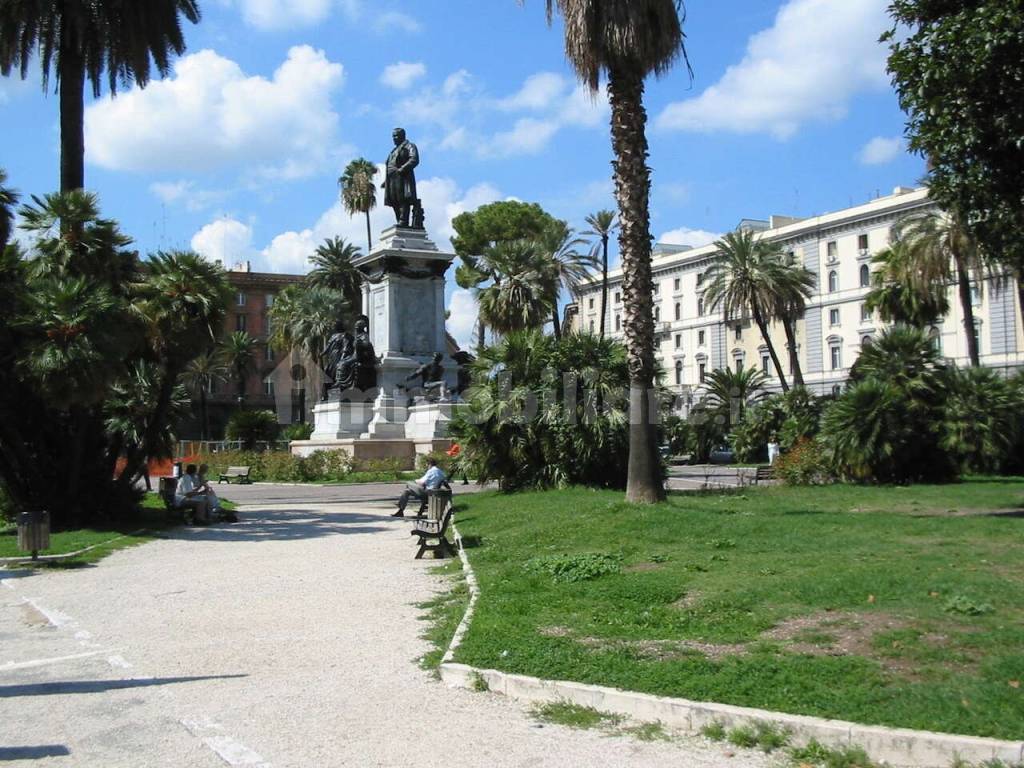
(896, 746)
(66, 555)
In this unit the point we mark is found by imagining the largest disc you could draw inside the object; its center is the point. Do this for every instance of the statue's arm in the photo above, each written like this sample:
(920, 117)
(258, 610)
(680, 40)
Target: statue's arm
(414, 158)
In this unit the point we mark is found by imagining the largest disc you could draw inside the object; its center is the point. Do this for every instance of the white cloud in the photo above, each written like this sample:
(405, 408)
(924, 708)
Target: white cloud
(585, 109)
(539, 91)
(463, 319)
(695, 238)
(278, 14)
(881, 150)
(527, 137)
(402, 75)
(211, 115)
(228, 241)
(392, 21)
(183, 192)
(818, 54)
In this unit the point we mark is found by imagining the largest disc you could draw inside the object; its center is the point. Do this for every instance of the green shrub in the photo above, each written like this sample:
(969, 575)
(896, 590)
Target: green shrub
(251, 427)
(6, 507)
(444, 461)
(389, 467)
(805, 464)
(574, 568)
(282, 466)
(791, 417)
(298, 431)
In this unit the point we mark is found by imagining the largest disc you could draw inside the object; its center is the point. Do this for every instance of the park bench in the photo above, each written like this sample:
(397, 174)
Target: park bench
(241, 474)
(764, 474)
(435, 526)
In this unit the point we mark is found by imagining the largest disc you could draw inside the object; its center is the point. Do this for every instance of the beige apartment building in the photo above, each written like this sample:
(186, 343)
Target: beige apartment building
(837, 247)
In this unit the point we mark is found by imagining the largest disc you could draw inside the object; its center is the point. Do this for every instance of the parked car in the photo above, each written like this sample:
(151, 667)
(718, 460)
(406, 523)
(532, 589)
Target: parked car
(722, 454)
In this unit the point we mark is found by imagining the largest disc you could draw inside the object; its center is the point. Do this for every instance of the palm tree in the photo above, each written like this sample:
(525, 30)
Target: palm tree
(730, 393)
(794, 285)
(626, 40)
(240, 354)
(901, 293)
(304, 318)
(8, 199)
(332, 268)
(199, 376)
(935, 241)
(80, 39)
(601, 225)
(745, 277)
(522, 295)
(568, 266)
(358, 191)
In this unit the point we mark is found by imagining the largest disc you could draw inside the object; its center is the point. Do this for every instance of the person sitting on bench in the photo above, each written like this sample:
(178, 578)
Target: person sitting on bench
(431, 481)
(189, 494)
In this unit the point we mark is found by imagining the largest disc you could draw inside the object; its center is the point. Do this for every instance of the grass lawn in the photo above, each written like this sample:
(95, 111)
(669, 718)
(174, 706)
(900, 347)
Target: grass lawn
(152, 517)
(895, 606)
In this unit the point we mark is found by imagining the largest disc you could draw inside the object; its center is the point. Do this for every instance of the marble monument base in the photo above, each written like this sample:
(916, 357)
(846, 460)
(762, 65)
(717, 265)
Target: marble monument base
(366, 449)
(335, 420)
(429, 421)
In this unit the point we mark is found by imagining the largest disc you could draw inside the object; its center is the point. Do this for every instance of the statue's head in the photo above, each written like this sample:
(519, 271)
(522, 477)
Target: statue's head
(398, 136)
(339, 326)
(438, 357)
(362, 324)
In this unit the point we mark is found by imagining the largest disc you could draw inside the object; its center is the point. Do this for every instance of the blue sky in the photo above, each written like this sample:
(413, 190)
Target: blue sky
(238, 152)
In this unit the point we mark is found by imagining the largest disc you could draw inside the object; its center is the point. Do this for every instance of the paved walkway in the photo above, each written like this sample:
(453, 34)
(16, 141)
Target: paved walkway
(289, 639)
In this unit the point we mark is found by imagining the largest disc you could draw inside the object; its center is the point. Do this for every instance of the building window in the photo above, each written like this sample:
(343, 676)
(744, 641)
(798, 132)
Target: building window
(738, 332)
(837, 390)
(239, 322)
(269, 299)
(833, 317)
(765, 360)
(590, 303)
(240, 299)
(679, 341)
(865, 339)
(618, 297)
(833, 281)
(700, 307)
(700, 338)
(657, 314)
(591, 326)
(679, 311)
(862, 243)
(832, 250)
(679, 371)
(657, 288)
(268, 387)
(936, 337)
(865, 276)
(700, 278)
(702, 371)
(738, 364)
(975, 296)
(618, 322)
(865, 313)
(675, 284)
(837, 358)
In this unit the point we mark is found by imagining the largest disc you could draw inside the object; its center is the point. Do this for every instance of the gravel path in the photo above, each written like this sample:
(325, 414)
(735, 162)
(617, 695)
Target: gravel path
(289, 639)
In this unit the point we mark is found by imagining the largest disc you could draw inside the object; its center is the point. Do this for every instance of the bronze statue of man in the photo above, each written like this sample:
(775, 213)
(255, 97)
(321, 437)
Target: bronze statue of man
(400, 180)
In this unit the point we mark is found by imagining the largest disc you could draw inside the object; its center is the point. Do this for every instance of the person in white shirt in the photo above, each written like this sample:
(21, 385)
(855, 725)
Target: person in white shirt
(431, 480)
(773, 449)
(189, 494)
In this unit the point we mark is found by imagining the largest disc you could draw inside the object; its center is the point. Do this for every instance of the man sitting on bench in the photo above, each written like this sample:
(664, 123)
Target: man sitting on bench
(190, 495)
(431, 481)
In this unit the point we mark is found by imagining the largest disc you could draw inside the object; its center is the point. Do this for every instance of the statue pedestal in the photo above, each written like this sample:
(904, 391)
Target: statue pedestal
(336, 420)
(389, 416)
(429, 421)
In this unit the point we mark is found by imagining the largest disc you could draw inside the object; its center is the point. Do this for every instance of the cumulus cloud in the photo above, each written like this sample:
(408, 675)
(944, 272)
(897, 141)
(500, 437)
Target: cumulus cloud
(539, 91)
(463, 317)
(402, 74)
(527, 137)
(187, 194)
(210, 115)
(278, 14)
(391, 21)
(806, 67)
(694, 238)
(881, 150)
(227, 240)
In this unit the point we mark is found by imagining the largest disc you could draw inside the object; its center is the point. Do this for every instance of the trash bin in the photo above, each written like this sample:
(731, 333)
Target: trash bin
(34, 532)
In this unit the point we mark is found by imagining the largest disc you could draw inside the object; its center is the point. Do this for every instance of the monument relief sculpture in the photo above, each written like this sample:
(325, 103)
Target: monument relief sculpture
(431, 376)
(400, 182)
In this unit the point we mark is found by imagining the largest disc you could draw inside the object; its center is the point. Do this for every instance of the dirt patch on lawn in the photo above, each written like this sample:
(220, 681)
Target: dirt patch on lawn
(642, 567)
(830, 633)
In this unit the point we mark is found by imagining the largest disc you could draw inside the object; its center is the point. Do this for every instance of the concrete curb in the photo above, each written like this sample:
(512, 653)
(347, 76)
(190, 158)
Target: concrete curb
(895, 746)
(66, 555)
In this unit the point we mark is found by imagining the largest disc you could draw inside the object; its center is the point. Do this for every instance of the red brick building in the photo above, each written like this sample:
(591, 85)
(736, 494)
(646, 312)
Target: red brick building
(253, 295)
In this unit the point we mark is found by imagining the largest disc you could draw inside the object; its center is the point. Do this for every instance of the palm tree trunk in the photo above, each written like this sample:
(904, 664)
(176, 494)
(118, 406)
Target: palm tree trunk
(604, 280)
(632, 190)
(1020, 293)
(482, 329)
(204, 421)
(71, 72)
(763, 327)
(555, 324)
(963, 280)
(798, 374)
(369, 237)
